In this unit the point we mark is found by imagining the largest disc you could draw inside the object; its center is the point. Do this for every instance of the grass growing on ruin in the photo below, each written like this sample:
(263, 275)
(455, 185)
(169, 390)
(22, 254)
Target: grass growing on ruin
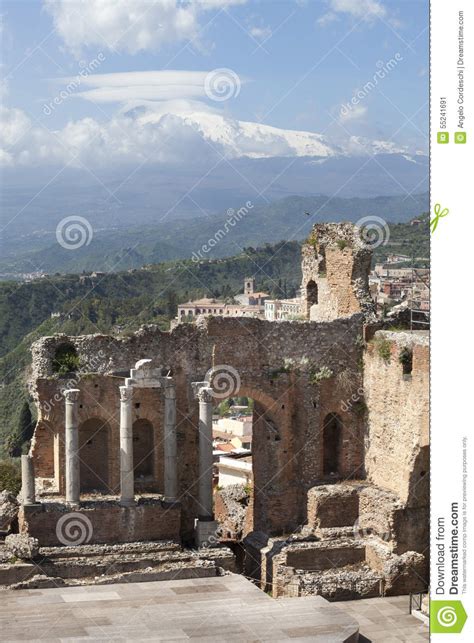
(324, 373)
(384, 349)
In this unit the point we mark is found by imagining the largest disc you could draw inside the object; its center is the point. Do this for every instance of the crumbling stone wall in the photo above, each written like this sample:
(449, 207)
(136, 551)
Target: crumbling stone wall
(101, 522)
(231, 509)
(397, 457)
(335, 267)
(276, 366)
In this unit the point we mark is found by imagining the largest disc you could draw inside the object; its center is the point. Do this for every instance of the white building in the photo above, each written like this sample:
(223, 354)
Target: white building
(281, 309)
(235, 426)
(234, 471)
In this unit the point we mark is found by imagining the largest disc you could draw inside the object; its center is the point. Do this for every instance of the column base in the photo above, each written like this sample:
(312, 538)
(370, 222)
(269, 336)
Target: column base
(205, 533)
(127, 503)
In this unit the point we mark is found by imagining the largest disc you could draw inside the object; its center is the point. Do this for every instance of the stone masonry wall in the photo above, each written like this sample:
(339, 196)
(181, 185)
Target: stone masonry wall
(101, 522)
(275, 365)
(335, 267)
(397, 457)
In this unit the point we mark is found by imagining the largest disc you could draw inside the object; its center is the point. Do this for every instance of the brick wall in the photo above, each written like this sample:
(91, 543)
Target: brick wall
(100, 522)
(274, 363)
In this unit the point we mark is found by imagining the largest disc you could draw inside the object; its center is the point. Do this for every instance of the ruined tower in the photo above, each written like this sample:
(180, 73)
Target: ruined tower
(335, 266)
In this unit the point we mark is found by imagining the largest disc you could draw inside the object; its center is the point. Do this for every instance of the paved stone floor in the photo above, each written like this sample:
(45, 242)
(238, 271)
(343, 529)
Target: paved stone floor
(214, 610)
(386, 620)
(227, 608)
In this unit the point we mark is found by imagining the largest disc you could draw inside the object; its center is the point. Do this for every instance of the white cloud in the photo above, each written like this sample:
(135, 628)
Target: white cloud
(352, 113)
(261, 33)
(141, 85)
(366, 10)
(128, 25)
(179, 131)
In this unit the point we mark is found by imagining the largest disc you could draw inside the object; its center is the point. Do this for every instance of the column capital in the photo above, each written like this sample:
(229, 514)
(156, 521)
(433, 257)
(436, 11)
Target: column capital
(71, 395)
(169, 388)
(126, 393)
(203, 391)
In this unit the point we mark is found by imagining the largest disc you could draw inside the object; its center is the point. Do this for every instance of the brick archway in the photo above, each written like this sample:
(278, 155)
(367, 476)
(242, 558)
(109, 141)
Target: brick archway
(266, 440)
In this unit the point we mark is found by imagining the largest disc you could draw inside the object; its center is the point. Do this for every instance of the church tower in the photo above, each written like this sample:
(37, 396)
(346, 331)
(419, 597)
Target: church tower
(249, 285)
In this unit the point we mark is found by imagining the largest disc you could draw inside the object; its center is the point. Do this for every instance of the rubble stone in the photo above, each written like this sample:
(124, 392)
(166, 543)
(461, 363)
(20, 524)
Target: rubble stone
(8, 509)
(22, 546)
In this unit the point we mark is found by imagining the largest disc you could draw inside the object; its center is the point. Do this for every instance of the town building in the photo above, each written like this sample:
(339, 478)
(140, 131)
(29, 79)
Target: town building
(250, 304)
(283, 309)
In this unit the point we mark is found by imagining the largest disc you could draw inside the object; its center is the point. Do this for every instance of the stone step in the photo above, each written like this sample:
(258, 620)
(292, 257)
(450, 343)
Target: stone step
(90, 566)
(103, 550)
(203, 569)
(87, 566)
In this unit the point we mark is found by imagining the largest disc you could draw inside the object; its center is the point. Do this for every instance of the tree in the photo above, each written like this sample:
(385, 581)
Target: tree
(10, 476)
(13, 445)
(171, 304)
(25, 424)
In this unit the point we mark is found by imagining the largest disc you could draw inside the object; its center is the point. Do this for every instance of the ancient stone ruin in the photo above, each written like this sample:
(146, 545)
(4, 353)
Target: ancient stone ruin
(119, 477)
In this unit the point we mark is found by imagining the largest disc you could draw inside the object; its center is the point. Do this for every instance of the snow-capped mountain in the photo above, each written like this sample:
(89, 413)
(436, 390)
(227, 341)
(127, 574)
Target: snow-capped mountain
(244, 138)
(238, 138)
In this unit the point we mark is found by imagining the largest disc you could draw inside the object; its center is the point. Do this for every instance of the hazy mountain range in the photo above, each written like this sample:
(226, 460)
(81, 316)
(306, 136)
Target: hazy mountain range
(120, 248)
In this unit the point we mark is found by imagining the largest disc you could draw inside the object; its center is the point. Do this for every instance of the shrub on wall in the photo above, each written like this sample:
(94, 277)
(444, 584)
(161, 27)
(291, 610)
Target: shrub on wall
(384, 349)
(66, 360)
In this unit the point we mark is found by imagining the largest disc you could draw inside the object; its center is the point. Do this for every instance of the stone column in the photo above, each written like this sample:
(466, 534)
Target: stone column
(127, 492)
(72, 447)
(170, 445)
(206, 511)
(28, 496)
(206, 526)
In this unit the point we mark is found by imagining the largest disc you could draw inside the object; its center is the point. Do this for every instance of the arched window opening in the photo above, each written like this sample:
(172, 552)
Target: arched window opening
(406, 360)
(312, 293)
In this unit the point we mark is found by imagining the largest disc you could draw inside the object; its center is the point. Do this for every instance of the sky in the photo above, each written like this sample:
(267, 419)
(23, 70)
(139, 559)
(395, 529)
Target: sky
(95, 77)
